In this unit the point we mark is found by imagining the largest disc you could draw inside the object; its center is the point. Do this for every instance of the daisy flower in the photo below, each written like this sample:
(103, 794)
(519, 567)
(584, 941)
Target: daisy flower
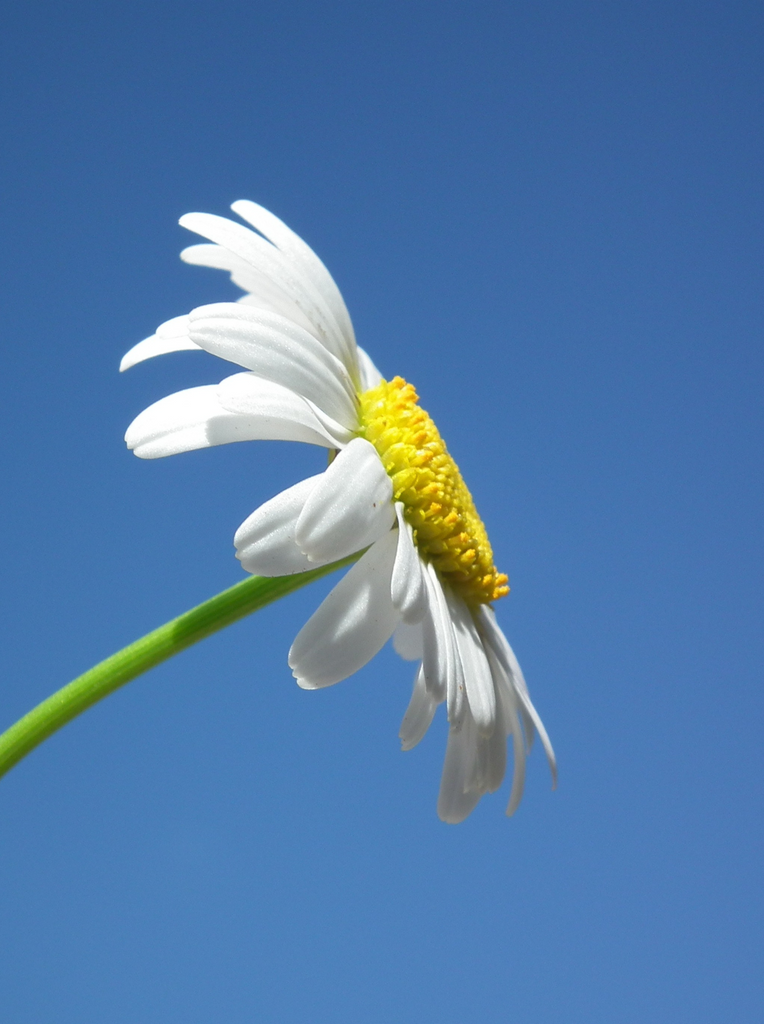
(391, 491)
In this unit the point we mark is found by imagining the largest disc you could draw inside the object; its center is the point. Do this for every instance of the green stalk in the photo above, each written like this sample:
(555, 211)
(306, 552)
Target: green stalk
(229, 606)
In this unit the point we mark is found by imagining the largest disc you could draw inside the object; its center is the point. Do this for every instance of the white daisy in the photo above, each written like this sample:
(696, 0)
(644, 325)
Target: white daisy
(391, 490)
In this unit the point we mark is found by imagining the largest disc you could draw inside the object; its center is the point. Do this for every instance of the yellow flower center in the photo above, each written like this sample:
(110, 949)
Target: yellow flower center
(447, 528)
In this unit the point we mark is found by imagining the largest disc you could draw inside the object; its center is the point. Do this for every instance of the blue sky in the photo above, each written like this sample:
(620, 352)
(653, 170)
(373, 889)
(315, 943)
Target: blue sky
(548, 217)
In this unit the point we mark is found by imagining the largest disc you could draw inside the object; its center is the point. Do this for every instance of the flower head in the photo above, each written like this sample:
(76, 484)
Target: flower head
(426, 576)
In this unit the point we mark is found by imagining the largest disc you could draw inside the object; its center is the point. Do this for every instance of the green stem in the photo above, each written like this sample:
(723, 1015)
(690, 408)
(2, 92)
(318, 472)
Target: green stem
(242, 599)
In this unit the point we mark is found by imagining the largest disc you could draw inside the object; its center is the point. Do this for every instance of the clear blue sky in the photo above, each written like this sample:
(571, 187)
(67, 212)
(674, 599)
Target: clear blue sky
(546, 215)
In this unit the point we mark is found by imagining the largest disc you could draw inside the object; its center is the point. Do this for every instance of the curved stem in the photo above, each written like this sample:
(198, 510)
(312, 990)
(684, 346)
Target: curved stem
(242, 599)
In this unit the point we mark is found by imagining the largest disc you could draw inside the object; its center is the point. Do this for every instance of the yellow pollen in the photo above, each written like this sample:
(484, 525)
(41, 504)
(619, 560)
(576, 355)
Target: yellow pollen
(447, 528)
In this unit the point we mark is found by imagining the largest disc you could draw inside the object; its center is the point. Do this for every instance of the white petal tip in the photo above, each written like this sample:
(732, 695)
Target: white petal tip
(129, 359)
(243, 205)
(452, 819)
(310, 684)
(138, 453)
(304, 684)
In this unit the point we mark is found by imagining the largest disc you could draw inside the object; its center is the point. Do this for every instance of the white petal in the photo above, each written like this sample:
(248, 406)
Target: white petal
(195, 418)
(477, 673)
(507, 723)
(506, 656)
(546, 743)
(171, 336)
(496, 745)
(514, 679)
(442, 668)
(350, 508)
(419, 714)
(448, 648)
(155, 346)
(490, 760)
(251, 396)
(263, 292)
(191, 419)
(456, 800)
(278, 350)
(370, 375)
(300, 253)
(518, 745)
(474, 765)
(408, 641)
(408, 586)
(175, 327)
(351, 625)
(265, 543)
(343, 435)
(266, 258)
